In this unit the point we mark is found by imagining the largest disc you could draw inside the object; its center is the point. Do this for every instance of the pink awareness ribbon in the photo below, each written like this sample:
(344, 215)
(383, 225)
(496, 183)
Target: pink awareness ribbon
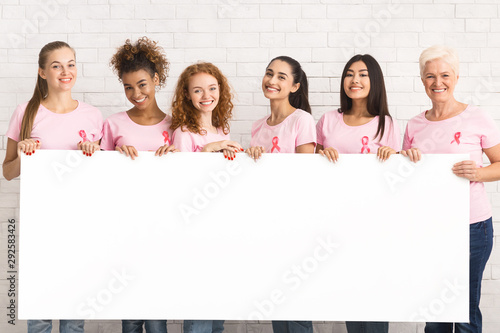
(166, 140)
(275, 145)
(83, 135)
(365, 141)
(457, 138)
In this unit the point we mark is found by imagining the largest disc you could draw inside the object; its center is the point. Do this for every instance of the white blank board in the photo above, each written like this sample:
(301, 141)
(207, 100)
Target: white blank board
(290, 237)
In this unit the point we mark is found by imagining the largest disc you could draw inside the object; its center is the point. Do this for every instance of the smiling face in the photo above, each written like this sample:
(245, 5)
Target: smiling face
(357, 81)
(439, 80)
(60, 70)
(278, 80)
(203, 91)
(140, 88)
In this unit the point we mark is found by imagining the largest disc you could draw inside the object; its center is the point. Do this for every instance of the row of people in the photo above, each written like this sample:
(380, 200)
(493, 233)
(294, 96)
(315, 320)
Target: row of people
(201, 111)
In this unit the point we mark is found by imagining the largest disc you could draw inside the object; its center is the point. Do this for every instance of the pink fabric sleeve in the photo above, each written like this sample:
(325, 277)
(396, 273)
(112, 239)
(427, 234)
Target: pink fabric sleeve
(182, 140)
(306, 130)
(490, 136)
(406, 140)
(107, 137)
(394, 138)
(320, 137)
(14, 130)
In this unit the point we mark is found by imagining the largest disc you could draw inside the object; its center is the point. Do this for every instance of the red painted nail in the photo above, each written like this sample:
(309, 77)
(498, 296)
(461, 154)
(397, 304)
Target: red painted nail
(241, 149)
(37, 141)
(33, 151)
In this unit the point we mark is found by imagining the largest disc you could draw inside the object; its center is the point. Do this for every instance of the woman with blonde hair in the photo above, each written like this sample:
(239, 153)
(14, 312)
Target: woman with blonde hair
(52, 119)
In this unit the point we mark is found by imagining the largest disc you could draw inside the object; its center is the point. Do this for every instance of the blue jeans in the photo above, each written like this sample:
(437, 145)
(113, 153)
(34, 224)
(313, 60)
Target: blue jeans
(292, 326)
(152, 326)
(203, 326)
(367, 326)
(481, 243)
(65, 326)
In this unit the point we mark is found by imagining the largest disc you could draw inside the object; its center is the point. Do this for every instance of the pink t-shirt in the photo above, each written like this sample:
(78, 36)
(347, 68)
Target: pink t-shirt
(334, 132)
(60, 130)
(297, 129)
(468, 132)
(120, 130)
(187, 141)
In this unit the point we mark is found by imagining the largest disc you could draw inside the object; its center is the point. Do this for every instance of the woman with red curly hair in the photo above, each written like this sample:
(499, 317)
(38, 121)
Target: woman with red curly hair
(201, 110)
(142, 68)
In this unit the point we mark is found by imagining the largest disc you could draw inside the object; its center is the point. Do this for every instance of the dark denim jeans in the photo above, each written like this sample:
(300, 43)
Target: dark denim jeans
(292, 326)
(203, 326)
(481, 243)
(151, 326)
(65, 326)
(367, 326)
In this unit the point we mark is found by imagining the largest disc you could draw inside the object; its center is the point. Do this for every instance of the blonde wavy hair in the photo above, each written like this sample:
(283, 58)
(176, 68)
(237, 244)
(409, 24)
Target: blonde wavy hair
(184, 114)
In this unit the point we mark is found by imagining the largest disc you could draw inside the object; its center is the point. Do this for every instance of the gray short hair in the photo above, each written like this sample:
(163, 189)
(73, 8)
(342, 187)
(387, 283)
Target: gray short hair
(445, 53)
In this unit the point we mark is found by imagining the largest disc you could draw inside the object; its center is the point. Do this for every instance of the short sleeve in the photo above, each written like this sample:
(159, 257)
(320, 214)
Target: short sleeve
(183, 140)
(407, 141)
(490, 135)
(306, 130)
(320, 135)
(14, 130)
(107, 142)
(394, 139)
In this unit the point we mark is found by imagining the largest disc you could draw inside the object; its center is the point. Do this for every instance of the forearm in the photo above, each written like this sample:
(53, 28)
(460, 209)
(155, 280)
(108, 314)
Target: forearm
(12, 169)
(490, 173)
(212, 147)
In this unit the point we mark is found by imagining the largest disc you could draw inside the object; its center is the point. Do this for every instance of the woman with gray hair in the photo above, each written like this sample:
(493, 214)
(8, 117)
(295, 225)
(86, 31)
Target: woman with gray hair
(454, 127)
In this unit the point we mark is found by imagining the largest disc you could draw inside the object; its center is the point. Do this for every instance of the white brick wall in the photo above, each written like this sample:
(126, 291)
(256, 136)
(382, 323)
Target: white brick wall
(241, 36)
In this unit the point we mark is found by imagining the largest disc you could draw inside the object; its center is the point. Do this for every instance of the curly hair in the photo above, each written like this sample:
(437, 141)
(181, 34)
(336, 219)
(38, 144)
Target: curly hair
(184, 114)
(144, 54)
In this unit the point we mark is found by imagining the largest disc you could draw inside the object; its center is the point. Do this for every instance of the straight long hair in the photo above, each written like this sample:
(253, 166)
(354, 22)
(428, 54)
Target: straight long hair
(377, 97)
(41, 89)
(300, 98)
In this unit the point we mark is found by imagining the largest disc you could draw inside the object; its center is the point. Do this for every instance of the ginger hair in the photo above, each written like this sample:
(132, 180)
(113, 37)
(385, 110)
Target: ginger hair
(185, 115)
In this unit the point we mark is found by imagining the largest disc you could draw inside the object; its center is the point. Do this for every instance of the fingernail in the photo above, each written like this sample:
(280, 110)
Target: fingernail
(37, 141)
(33, 151)
(241, 149)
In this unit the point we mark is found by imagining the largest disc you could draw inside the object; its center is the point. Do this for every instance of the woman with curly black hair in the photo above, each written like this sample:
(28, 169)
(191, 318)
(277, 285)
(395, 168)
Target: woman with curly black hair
(142, 68)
